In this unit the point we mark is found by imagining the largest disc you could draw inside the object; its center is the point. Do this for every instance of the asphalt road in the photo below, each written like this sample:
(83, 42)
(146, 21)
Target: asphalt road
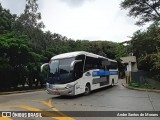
(115, 98)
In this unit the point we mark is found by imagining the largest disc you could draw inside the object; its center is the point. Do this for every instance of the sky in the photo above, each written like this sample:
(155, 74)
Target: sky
(82, 19)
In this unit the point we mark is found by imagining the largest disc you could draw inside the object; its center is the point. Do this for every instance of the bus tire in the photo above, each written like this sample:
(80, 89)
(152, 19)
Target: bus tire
(87, 89)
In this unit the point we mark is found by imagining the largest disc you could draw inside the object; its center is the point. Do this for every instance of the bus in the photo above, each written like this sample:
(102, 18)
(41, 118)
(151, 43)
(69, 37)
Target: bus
(79, 72)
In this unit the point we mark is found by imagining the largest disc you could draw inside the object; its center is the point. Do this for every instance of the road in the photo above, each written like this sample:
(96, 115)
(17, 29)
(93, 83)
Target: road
(115, 98)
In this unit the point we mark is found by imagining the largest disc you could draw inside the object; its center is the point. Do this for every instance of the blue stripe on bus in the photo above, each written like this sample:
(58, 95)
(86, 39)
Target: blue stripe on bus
(102, 73)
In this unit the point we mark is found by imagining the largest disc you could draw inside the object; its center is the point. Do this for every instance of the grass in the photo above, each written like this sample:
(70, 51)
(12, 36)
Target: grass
(141, 85)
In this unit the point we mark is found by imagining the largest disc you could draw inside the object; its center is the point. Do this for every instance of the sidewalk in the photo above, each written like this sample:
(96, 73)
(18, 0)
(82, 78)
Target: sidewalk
(22, 91)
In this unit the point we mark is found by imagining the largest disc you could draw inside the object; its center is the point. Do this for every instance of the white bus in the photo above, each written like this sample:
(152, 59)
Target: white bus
(79, 72)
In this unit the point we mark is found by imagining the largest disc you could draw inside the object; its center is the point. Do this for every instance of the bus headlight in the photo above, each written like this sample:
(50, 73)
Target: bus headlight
(47, 85)
(68, 86)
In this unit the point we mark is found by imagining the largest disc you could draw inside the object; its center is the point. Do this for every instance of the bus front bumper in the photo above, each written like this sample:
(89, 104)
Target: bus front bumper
(60, 90)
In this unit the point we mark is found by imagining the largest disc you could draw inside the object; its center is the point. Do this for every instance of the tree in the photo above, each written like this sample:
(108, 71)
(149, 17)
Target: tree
(14, 57)
(146, 46)
(145, 10)
(30, 24)
(156, 66)
(146, 42)
(18, 60)
(121, 51)
(24, 46)
(31, 17)
(6, 20)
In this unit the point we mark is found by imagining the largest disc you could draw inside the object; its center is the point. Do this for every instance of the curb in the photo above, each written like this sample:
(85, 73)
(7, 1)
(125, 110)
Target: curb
(141, 89)
(23, 91)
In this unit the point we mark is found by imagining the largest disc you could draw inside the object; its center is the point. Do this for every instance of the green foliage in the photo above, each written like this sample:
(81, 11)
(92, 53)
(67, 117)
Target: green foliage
(145, 46)
(24, 47)
(31, 17)
(6, 20)
(30, 24)
(140, 85)
(121, 51)
(145, 10)
(12, 59)
(134, 84)
(155, 69)
(18, 60)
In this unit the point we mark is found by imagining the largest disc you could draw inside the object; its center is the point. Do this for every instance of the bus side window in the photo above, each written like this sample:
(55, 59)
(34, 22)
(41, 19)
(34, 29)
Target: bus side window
(93, 63)
(78, 68)
(89, 63)
(113, 65)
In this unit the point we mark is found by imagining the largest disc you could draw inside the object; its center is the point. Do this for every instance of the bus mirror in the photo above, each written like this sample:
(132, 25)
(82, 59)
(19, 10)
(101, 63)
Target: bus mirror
(74, 62)
(42, 66)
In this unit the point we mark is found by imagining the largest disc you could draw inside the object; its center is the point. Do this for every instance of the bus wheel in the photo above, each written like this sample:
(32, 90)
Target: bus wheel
(87, 89)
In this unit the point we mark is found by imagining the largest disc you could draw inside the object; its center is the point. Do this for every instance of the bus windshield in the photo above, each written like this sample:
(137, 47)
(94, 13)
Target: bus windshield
(60, 71)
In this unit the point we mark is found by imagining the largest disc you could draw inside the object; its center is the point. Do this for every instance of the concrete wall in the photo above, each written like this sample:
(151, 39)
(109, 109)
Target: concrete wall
(131, 63)
(128, 59)
(134, 67)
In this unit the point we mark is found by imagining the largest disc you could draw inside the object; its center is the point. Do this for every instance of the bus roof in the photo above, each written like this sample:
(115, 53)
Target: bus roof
(74, 54)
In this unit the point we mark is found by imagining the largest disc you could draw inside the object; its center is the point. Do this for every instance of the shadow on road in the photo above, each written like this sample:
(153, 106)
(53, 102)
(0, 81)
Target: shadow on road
(103, 89)
(81, 95)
